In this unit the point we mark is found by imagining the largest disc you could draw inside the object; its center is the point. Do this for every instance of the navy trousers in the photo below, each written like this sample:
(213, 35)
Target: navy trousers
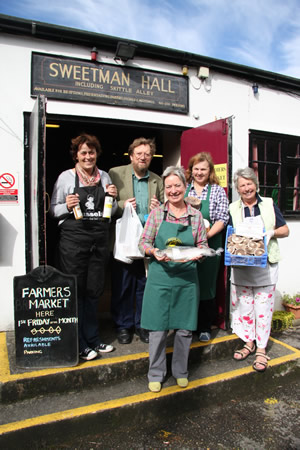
(127, 291)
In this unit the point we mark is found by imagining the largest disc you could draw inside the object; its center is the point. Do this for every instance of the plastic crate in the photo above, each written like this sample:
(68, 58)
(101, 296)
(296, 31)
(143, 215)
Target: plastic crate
(244, 260)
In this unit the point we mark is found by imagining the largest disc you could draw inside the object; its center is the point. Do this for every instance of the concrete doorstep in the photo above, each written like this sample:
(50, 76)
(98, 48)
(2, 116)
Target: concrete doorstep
(43, 407)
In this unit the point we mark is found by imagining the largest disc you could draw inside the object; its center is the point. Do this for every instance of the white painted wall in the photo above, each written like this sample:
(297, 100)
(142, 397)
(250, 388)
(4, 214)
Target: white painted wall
(219, 97)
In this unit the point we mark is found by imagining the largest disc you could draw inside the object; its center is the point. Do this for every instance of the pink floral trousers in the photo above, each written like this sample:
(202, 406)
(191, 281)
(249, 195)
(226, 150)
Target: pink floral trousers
(252, 313)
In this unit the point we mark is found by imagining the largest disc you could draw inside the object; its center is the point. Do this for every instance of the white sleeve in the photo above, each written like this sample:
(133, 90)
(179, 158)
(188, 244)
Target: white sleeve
(63, 187)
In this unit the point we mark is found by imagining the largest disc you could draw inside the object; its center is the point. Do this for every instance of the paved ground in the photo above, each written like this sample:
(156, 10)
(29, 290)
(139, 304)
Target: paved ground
(265, 423)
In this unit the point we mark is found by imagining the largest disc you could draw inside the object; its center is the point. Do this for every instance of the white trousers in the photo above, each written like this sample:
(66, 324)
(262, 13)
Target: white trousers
(252, 313)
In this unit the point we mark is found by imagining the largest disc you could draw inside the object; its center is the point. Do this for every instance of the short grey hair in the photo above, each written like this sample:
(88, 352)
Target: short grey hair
(174, 170)
(247, 173)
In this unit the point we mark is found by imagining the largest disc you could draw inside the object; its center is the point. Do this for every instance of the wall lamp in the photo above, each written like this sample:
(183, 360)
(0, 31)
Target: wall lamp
(185, 70)
(125, 51)
(255, 88)
(94, 53)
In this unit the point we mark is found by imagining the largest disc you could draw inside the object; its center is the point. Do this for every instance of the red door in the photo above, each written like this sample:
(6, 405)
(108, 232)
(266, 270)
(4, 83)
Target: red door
(215, 138)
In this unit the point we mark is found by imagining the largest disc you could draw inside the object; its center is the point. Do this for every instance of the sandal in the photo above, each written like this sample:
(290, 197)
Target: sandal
(244, 355)
(262, 363)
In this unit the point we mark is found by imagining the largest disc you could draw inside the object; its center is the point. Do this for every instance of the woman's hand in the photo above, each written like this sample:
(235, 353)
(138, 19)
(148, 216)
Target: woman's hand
(269, 234)
(163, 258)
(216, 228)
(112, 190)
(71, 201)
(154, 203)
(196, 258)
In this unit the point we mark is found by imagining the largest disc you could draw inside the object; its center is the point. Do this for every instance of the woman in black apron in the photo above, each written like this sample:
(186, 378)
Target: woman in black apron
(172, 291)
(204, 185)
(84, 236)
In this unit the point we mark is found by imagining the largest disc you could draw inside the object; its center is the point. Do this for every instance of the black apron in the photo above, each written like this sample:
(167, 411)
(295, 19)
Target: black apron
(83, 246)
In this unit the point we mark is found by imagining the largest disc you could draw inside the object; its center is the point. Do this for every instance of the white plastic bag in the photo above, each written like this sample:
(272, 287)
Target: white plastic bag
(128, 233)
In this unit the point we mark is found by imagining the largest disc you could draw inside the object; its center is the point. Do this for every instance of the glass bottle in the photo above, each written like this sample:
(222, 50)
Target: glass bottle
(108, 202)
(77, 211)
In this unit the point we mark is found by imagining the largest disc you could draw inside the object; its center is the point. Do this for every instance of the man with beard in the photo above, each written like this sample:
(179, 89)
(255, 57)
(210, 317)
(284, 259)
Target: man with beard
(144, 190)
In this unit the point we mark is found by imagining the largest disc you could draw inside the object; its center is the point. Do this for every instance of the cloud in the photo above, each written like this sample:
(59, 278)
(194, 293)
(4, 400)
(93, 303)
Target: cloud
(261, 34)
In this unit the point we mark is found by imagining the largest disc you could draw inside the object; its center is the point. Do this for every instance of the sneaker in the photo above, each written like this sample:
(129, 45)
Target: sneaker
(87, 354)
(204, 337)
(182, 382)
(104, 348)
(154, 386)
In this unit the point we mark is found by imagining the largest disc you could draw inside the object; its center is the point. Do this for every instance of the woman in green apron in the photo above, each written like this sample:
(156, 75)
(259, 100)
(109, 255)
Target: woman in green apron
(204, 186)
(172, 289)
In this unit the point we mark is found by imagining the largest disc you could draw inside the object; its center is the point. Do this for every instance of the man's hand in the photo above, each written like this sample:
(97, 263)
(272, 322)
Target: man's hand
(132, 201)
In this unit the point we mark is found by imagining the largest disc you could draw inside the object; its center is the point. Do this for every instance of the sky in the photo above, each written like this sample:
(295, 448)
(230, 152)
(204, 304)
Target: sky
(264, 34)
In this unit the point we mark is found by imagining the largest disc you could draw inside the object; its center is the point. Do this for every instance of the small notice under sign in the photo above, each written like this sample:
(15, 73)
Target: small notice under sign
(9, 192)
(221, 171)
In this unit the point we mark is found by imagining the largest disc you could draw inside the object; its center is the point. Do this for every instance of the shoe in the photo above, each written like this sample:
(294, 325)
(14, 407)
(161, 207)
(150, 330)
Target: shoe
(87, 354)
(182, 382)
(204, 336)
(124, 336)
(142, 334)
(242, 352)
(103, 348)
(262, 363)
(154, 386)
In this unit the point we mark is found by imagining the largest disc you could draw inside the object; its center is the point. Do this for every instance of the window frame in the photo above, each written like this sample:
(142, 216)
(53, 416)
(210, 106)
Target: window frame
(283, 164)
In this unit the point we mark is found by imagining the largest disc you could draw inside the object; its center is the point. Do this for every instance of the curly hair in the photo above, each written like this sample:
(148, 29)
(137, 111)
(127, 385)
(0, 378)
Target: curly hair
(84, 138)
(200, 157)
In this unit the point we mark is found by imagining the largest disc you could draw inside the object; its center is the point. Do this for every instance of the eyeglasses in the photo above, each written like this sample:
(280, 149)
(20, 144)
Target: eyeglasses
(142, 155)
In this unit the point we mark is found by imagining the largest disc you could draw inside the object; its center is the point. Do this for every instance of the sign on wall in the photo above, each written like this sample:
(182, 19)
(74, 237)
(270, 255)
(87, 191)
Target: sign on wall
(9, 192)
(85, 81)
(46, 320)
(221, 172)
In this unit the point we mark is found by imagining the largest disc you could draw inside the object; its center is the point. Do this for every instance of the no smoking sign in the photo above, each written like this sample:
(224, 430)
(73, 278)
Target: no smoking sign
(8, 188)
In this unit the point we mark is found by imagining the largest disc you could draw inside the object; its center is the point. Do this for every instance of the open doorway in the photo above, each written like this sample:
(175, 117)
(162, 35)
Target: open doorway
(115, 137)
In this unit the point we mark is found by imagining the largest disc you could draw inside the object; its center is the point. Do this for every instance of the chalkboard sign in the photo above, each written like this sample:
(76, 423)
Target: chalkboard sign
(46, 319)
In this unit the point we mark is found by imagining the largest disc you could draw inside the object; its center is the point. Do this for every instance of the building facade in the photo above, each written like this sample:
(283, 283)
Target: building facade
(57, 82)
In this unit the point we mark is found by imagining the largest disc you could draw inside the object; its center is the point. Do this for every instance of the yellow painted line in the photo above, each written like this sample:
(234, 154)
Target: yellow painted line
(4, 363)
(283, 344)
(217, 340)
(6, 376)
(134, 399)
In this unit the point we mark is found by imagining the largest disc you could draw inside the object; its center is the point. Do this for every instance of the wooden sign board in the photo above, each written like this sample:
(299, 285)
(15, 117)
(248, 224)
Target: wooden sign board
(46, 319)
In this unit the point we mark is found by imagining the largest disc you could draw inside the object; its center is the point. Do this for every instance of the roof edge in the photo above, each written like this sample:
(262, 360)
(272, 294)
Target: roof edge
(42, 30)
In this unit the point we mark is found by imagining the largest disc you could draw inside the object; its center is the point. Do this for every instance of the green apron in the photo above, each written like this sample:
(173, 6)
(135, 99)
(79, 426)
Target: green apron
(171, 296)
(208, 269)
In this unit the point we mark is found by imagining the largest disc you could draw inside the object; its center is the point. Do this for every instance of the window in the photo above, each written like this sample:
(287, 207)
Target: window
(276, 161)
